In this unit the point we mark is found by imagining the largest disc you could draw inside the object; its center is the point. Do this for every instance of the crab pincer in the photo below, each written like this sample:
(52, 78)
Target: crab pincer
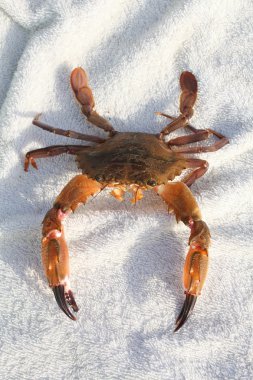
(55, 255)
(55, 258)
(195, 269)
(64, 299)
(182, 203)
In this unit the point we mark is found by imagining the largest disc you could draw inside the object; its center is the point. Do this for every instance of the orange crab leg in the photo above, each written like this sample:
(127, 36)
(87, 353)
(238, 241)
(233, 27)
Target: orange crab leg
(55, 256)
(183, 204)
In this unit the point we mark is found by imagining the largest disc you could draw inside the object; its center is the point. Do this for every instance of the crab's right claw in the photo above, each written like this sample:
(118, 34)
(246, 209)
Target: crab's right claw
(55, 259)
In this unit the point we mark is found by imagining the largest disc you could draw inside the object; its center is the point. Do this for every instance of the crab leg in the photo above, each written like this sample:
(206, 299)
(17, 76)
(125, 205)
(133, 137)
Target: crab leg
(165, 115)
(183, 204)
(188, 139)
(50, 151)
(188, 96)
(202, 167)
(83, 93)
(55, 256)
(66, 133)
(201, 149)
(199, 135)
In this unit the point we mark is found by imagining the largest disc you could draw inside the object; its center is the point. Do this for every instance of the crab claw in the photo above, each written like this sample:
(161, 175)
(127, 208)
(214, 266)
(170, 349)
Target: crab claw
(65, 298)
(55, 259)
(195, 269)
(186, 310)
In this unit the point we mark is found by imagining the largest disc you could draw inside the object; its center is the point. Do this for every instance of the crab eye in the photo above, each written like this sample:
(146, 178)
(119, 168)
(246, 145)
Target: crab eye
(99, 178)
(151, 182)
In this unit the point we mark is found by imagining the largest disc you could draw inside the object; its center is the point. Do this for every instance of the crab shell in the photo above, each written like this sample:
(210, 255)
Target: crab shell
(131, 158)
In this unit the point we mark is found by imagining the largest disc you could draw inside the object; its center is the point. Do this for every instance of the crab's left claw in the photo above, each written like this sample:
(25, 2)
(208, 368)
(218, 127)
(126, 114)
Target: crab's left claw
(195, 270)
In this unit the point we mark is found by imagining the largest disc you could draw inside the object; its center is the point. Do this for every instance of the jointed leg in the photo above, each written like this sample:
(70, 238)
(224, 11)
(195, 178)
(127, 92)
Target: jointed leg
(202, 167)
(165, 115)
(55, 256)
(83, 93)
(188, 139)
(66, 133)
(200, 149)
(50, 151)
(199, 135)
(182, 203)
(175, 124)
(188, 96)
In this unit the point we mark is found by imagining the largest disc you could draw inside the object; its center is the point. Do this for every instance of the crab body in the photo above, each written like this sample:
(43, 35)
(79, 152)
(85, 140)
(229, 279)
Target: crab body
(135, 161)
(131, 158)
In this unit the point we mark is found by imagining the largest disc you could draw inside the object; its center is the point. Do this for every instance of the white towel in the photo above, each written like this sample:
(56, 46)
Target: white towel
(126, 261)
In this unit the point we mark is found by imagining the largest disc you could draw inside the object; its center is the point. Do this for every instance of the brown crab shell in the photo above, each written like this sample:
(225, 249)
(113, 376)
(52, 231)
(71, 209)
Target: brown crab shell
(131, 158)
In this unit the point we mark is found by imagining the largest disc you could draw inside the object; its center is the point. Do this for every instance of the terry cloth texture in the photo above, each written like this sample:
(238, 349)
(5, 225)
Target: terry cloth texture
(126, 261)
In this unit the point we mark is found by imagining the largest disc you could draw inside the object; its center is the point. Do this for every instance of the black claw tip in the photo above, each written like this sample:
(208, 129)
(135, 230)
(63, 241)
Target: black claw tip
(186, 310)
(71, 300)
(59, 294)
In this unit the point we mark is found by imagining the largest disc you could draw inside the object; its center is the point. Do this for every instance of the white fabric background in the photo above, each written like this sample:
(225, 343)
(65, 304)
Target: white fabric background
(126, 261)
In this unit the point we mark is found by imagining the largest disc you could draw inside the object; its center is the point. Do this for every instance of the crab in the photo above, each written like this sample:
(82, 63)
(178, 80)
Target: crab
(129, 161)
